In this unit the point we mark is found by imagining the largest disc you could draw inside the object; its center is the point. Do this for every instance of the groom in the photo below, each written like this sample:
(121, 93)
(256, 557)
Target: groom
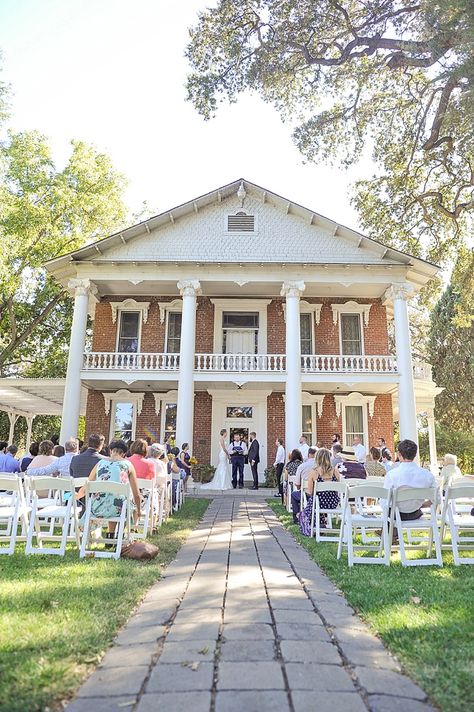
(237, 452)
(254, 458)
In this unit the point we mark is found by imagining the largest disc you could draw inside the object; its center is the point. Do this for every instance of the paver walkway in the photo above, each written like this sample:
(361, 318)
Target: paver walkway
(245, 621)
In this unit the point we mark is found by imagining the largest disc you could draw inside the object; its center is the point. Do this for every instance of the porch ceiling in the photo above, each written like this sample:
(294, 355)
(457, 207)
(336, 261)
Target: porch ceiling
(35, 396)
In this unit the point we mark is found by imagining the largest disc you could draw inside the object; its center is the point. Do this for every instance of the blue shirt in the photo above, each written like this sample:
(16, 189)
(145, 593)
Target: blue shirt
(8, 463)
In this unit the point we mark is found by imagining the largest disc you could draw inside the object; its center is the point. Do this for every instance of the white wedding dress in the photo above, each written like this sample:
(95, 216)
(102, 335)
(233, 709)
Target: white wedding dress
(222, 479)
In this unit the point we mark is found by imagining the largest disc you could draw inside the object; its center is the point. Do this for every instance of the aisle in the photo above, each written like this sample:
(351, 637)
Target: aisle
(245, 621)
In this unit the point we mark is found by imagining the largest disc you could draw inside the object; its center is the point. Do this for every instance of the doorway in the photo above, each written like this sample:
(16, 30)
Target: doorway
(236, 428)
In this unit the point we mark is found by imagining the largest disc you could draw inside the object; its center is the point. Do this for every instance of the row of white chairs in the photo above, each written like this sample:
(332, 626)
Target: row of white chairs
(35, 509)
(367, 509)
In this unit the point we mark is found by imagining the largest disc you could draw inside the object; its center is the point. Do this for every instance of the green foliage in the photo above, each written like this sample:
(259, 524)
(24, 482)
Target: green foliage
(423, 615)
(270, 477)
(457, 442)
(451, 352)
(203, 473)
(393, 75)
(54, 630)
(45, 212)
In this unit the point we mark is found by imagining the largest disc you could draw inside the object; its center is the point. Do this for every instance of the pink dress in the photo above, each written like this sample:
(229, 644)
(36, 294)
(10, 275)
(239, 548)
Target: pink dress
(145, 469)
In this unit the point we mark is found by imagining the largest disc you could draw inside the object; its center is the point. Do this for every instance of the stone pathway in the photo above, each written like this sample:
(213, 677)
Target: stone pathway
(244, 621)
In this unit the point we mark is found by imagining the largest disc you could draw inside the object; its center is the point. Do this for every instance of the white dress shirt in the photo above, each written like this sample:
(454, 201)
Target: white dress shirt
(280, 456)
(409, 474)
(302, 473)
(304, 448)
(59, 466)
(360, 452)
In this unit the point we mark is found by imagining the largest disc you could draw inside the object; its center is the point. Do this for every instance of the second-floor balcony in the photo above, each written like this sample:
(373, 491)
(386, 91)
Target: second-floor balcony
(208, 364)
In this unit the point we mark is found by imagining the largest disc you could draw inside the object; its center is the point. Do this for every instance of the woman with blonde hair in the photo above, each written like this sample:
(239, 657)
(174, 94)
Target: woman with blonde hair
(323, 471)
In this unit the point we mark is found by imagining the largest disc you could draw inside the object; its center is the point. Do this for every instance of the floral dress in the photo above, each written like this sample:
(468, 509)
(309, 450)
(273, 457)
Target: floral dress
(291, 468)
(106, 505)
(327, 500)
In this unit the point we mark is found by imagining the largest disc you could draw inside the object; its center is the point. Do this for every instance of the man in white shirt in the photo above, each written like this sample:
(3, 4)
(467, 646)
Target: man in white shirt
(304, 447)
(408, 474)
(279, 465)
(237, 451)
(302, 474)
(359, 450)
(61, 466)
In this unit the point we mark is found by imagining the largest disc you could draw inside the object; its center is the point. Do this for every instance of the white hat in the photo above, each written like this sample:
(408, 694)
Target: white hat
(158, 447)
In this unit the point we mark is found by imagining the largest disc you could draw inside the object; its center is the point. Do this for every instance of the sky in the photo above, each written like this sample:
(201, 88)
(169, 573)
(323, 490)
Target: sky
(113, 72)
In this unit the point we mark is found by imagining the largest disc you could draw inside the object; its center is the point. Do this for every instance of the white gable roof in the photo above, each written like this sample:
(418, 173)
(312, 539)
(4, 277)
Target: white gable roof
(284, 232)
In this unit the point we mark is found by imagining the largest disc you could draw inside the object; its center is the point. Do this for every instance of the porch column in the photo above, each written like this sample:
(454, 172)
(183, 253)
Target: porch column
(12, 417)
(81, 288)
(189, 289)
(400, 293)
(292, 292)
(29, 428)
(432, 441)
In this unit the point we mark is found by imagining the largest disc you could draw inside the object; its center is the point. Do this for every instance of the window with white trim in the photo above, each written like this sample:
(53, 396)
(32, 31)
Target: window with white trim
(129, 332)
(354, 423)
(306, 334)
(307, 423)
(170, 421)
(123, 417)
(173, 336)
(351, 335)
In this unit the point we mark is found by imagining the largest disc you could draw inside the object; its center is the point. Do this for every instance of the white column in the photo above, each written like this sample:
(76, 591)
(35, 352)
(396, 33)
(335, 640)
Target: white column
(29, 428)
(189, 289)
(400, 293)
(292, 292)
(81, 289)
(12, 417)
(432, 442)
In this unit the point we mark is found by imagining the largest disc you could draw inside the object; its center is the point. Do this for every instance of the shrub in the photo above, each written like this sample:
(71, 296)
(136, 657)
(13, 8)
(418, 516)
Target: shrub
(203, 473)
(270, 477)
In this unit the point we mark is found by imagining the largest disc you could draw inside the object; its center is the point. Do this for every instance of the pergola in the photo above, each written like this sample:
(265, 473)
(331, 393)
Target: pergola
(29, 397)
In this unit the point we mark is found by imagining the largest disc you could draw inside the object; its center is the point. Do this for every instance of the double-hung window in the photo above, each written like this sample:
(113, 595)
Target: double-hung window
(306, 334)
(351, 335)
(129, 332)
(173, 336)
(354, 423)
(123, 416)
(307, 423)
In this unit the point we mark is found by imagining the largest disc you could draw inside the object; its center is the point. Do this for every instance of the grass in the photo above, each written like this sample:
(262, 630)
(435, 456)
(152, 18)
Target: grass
(424, 615)
(59, 614)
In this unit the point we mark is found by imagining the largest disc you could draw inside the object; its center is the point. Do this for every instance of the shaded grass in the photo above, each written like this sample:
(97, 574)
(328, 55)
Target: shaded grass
(59, 614)
(432, 638)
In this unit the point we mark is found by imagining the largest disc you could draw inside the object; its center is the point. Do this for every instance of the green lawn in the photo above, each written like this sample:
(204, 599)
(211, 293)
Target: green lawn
(425, 615)
(59, 614)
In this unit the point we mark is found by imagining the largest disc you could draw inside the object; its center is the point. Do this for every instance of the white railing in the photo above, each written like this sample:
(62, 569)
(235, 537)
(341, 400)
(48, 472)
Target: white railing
(98, 361)
(335, 363)
(241, 362)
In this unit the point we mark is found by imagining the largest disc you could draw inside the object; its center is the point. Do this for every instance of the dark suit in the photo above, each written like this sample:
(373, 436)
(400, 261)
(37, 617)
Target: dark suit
(254, 459)
(83, 464)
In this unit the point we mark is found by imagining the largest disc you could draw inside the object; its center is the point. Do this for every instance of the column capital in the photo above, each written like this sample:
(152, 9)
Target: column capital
(292, 289)
(399, 291)
(189, 287)
(83, 287)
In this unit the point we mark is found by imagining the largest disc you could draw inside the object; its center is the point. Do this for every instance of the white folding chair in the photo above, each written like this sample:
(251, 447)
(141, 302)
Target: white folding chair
(428, 523)
(329, 532)
(290, 487)
(355, 518)
(95, 487)
(161, 504)
(179, 495)
(458, 505)
(61, 514)
(13, 512)
(147, 492)
(45, 500)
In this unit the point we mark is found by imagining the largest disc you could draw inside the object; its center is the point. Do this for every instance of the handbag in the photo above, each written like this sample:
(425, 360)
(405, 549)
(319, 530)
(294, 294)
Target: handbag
(140, 551)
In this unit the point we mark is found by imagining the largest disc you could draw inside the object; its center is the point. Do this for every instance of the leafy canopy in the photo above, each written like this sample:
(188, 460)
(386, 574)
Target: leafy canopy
(394, 75)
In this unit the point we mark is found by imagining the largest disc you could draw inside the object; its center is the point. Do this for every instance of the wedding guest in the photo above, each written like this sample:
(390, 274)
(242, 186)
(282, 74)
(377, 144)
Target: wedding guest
(373, 466)
(3, 452)
(58, 451)
(322, 472)
(279, 465)
(336, 458)
(254, 458)
(302, 474)
(44, 457)
(144, 469)
(10, 463)
(382, 446)
(83, 463)
(350, 467)
(359, 449)
(336, 440)
(157, 455)
(185, 457)
(289, 472)
(408, 474)
(320, 445)
(387, 460)
(61, 466)
(175, 470)
(450, 470)
(26, 459)
(304, 447)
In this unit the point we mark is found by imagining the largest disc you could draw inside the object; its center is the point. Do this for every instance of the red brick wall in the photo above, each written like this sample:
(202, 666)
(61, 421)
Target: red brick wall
(148, 422)
(96, 419)
(104, 333)
(376, 334)
(381, 425)
(201, 447)
(326, 333)
(275, 423)
(204, 326)
(276, 329)
(329, 423)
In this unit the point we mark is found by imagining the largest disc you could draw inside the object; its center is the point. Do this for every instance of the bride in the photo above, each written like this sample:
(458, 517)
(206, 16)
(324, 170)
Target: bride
(222, 478)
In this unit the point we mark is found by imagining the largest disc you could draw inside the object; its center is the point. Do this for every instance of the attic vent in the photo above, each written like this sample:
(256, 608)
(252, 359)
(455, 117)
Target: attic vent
(241, 222)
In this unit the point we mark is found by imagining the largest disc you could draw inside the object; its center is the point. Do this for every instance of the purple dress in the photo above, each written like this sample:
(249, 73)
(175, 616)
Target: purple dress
(327, 500)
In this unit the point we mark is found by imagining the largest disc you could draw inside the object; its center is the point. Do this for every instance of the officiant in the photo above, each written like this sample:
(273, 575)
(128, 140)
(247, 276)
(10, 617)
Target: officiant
(237, 452)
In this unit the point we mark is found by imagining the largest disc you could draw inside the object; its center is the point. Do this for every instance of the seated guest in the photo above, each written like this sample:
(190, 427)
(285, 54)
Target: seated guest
(61, 466)
(10, 463)
(3, 452)
(387, 462)
(350, 468)
(450, 470)
(302, 474)
(289, 472)
(373, 467)
(58, 451)
(408, 474)
(145, 469)
(26, 459)
(157, 455)
(322, 472)
(336, 458)
(106, 505)
(175, 469)
(44, 457)
(83, 464)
